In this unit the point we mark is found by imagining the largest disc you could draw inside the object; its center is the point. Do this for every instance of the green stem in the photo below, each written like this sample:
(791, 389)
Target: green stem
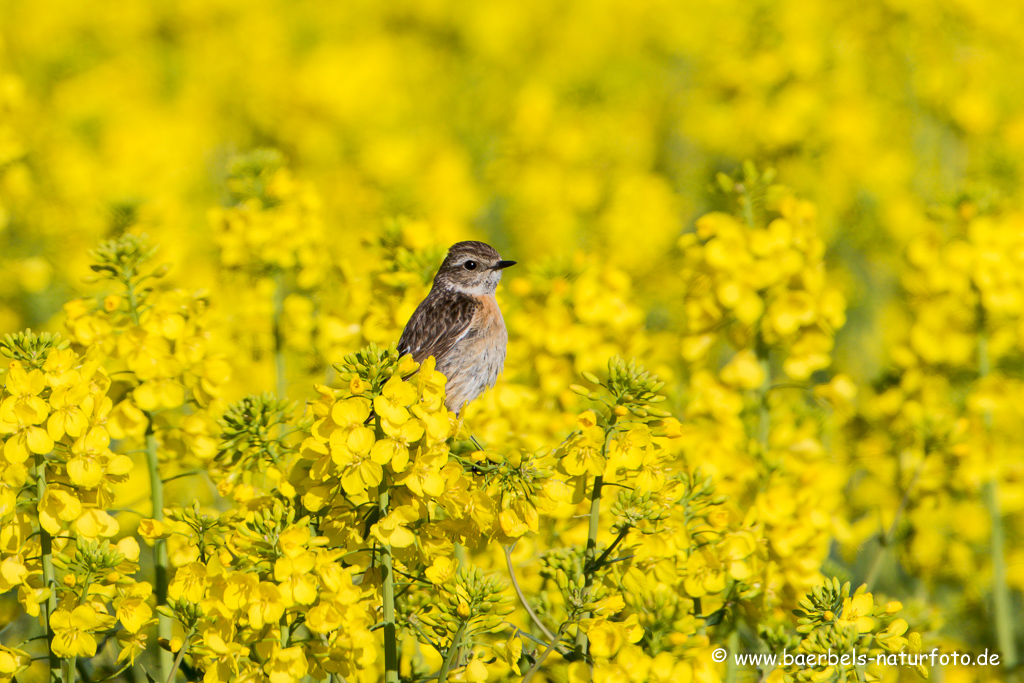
(582, 643)
(449, 658)
(1000, 589)
(608, 551)
(1005, 636)
(178, 658)
(133, 304)
(388, 590)
(544, 655)
(522, 598)
(886, 539)
(279, 360)
(764, 417)
(160, 561)
(747, 210)
(730, 667)
(49, 577)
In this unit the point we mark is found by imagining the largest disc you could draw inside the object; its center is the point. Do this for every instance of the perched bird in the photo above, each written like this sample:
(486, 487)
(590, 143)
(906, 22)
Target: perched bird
(459, 323)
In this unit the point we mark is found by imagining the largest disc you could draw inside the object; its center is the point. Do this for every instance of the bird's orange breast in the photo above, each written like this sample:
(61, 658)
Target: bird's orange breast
(476, 360)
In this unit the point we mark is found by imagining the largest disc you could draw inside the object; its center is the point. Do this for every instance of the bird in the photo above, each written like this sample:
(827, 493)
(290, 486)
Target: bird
(459, 323)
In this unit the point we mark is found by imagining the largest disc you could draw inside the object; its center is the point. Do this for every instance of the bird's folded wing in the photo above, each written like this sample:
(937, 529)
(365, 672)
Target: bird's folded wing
(438, 323)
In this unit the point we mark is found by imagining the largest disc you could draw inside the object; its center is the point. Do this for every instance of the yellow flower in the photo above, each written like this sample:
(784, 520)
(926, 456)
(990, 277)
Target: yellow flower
(227, 657)
(19, 415)
(132, 645)
(24, 405)
(476, 671)
(189, 582)
(132, 609)
(71, 405)
(147, 355)
(628, 451)
(857, 612)
(392, 530)
(297, 583)
(359, 471)
(396, 396)
(58, 505)
(511, 651)
(423, 476)
(12, 661)
(703, 574)
(442, 569)
(430, 385)
(126, 419)
(239, 590)
(294, 540)
(512, 524)
(72, 630)
(12, 573)
(95, 523)
(267, 606)
(437, 423)
(351, 438)
(583, 453)
(152, 529)
(287, 665)
(744, 371)
(159, 393)
(30, 598)
(85, 468)
(350, 413)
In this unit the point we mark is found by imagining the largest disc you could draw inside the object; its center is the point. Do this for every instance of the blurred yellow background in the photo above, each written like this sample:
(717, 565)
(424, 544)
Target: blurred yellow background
(583, 139)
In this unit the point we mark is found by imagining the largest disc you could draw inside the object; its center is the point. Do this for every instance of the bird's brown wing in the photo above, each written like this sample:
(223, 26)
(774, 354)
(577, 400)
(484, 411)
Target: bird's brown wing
(441, 320)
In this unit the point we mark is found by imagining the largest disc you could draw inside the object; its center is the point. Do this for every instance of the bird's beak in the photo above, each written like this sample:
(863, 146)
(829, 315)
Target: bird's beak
(502, 265)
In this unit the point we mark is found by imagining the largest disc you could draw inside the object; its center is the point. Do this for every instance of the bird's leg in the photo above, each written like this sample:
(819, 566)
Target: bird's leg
(458, 424)
(458, 428)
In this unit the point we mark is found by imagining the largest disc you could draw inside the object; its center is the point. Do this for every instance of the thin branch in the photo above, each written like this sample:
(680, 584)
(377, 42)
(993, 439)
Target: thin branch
(178, 658)
(522, 597)
(544, 655)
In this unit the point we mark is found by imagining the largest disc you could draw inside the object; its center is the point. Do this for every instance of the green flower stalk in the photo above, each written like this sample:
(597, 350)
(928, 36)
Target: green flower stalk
(1001, 598)
(388, 594)
(49, 578)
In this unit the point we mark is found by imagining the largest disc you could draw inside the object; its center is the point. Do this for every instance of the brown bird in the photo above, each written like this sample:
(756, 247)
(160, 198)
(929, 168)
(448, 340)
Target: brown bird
(459, 323)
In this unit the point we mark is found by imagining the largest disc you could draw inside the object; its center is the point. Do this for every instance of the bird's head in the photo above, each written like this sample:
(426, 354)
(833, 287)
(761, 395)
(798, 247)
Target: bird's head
(471, 268)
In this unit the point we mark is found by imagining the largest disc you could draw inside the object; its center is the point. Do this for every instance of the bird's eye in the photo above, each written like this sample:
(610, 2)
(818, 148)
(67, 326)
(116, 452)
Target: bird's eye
(469, 265)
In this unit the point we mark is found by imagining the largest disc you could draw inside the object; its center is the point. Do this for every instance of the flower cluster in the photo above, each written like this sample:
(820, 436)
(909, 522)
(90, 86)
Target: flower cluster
(274, 224)
(949, 411)
(59, 477)
(760, 282)
(157, 344)
(265, 599)
(833, 621)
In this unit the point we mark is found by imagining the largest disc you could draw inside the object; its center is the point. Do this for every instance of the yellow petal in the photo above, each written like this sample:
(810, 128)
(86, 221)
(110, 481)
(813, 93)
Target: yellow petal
(96, 523)
(85, 472)
(360, 440)
(119, 465)
(39, 441)
(351, 411)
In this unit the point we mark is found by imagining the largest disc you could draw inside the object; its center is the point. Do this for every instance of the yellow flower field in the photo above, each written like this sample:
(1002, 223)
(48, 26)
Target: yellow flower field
(762, 413)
